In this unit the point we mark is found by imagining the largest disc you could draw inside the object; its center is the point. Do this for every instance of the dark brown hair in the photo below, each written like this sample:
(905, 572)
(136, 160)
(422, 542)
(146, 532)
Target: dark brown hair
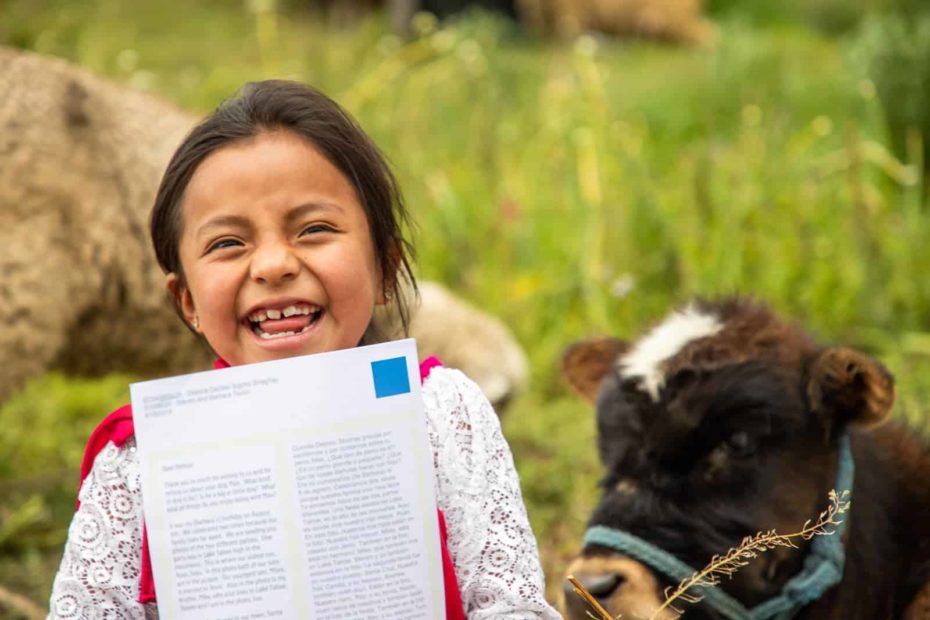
(274, 105)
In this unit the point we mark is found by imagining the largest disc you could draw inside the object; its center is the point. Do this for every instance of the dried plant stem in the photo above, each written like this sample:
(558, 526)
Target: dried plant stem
(752, 546)
(734, 559)
(581, 591)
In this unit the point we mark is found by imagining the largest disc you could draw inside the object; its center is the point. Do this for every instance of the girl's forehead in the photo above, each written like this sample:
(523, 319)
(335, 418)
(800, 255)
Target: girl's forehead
(269, 172)
(285, 154)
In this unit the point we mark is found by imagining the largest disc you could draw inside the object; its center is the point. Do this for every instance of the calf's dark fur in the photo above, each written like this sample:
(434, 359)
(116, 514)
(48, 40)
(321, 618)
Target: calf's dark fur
(723, 422)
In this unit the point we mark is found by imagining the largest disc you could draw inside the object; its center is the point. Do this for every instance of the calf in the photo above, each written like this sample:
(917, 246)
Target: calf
(724, 421)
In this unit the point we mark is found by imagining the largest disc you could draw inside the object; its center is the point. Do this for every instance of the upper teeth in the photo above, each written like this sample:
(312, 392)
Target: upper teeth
(260, 315)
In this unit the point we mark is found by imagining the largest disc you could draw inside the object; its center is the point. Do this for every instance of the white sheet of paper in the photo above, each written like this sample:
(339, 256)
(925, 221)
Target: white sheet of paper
(298, 488)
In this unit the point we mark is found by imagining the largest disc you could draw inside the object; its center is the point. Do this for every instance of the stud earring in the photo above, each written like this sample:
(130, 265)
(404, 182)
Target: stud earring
(195, 323)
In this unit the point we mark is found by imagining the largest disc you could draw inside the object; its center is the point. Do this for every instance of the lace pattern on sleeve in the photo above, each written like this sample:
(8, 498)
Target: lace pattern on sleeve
(489, 537)
(99, 573)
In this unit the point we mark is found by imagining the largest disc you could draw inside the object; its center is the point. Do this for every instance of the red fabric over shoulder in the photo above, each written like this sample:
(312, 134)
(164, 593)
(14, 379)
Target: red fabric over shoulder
(146, 579)
(116, 427)
(427, 365)
(454, 608)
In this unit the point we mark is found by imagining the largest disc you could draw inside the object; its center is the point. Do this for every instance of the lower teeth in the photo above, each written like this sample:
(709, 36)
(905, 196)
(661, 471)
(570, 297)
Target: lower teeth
(267, 336)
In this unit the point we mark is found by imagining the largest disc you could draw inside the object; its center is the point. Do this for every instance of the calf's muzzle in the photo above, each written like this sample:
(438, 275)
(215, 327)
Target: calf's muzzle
(622, 585)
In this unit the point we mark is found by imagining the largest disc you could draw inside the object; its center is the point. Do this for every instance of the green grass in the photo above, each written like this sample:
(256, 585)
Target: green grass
(44, 430)
(572, 189)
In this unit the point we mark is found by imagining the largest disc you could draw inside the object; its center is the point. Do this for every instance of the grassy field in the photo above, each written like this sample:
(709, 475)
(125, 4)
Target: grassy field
(572, 189)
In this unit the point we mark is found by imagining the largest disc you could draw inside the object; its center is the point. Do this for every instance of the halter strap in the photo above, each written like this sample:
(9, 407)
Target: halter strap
(823, 566)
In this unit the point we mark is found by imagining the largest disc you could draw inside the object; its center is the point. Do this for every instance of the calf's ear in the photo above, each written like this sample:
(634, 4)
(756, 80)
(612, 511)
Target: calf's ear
(847, 386)
(586, 363)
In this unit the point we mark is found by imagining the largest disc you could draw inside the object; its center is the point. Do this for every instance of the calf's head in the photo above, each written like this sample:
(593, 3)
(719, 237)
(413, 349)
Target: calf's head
(719, 423)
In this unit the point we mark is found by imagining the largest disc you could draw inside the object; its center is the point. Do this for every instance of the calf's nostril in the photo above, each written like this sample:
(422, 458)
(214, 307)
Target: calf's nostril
(600, 586)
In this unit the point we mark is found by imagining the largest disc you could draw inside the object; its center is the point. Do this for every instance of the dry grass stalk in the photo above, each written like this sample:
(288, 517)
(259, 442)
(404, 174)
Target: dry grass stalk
(738, 557)
(734, 559)
(581, 591)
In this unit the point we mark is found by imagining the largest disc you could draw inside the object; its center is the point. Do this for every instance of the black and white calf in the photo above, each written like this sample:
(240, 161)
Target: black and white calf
(724, 421)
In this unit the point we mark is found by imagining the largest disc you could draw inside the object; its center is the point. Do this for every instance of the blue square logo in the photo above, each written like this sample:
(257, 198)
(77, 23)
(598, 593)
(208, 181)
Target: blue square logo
(390, 377)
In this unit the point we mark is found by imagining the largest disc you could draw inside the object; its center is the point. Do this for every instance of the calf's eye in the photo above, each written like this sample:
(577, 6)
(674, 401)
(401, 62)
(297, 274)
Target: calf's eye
(740, 444)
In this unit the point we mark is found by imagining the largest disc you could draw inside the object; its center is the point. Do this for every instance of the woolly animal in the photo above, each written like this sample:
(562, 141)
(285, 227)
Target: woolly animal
(678, 21)
(80, 290)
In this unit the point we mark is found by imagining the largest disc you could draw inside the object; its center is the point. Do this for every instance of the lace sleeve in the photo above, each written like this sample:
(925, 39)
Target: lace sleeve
(99, 573)
(489, 536)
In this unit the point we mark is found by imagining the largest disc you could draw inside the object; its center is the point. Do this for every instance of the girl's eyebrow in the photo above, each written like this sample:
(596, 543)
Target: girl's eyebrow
(303, 210)
(239, 221)
(223, 221)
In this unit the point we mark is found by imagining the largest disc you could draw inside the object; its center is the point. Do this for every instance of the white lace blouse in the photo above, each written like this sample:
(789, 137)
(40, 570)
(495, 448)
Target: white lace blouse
(489, 537)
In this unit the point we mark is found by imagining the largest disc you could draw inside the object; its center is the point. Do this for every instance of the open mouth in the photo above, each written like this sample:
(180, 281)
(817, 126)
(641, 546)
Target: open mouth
(271, 323)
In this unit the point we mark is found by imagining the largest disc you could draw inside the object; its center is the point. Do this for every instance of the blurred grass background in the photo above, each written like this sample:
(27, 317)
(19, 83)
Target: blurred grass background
(572, 188)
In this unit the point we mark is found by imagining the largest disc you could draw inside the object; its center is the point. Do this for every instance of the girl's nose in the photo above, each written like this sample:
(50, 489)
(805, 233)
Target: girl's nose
(273, 263)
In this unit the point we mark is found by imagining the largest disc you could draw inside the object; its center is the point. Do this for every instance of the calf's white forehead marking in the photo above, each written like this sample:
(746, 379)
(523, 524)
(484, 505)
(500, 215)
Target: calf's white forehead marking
(644, 361)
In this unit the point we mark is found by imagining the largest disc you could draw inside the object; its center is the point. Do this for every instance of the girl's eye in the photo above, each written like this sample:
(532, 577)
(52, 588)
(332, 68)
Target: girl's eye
(223, 243)
(316, 229)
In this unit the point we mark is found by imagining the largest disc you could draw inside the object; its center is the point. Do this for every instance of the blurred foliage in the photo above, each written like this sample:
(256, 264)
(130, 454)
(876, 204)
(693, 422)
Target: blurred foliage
(43, 430)
(829, 16)
(572, 189)
(832, 17)
(896, 53)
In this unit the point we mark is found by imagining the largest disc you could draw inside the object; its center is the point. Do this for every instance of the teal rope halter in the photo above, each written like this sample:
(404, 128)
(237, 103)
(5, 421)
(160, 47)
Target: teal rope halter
(823, 566)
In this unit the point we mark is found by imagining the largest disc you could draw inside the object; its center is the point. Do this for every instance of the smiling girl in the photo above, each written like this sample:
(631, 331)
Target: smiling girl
(279, 225)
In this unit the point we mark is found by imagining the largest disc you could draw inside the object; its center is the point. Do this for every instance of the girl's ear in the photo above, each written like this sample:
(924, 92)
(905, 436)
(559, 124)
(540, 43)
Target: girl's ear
(384, 292)
(389, 283)
(183, 300)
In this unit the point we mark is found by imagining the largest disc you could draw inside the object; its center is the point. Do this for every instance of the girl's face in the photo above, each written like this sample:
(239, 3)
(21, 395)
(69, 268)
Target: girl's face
(276, 251)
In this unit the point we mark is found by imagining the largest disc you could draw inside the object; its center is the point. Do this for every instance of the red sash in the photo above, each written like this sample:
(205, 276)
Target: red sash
(117, 427)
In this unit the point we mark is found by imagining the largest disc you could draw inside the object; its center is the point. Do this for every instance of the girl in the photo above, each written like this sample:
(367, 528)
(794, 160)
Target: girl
(279, 225)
